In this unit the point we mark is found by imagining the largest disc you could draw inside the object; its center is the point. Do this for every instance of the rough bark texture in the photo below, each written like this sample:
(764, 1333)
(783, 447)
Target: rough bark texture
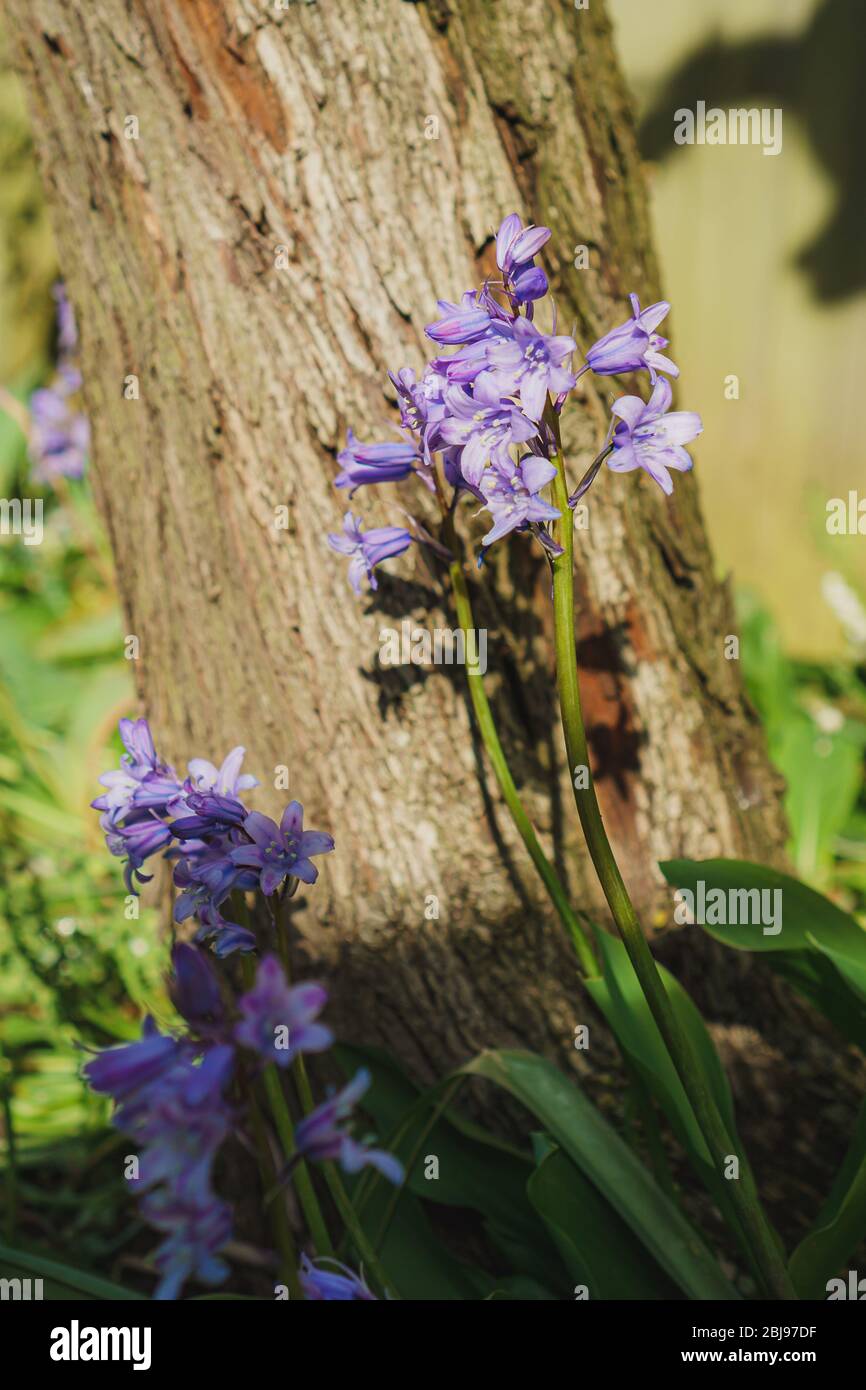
(306, 181)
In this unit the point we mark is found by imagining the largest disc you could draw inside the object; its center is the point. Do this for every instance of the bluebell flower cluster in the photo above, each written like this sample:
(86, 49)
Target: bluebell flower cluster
(180, 1097)
(483, 409)
(171, 1097)
(59, 431)
(218, 846)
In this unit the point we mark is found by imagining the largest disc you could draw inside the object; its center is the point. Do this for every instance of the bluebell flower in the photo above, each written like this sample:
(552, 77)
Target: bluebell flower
(332, 1282)
(484, 425)
(516, 248)
(226, 780)
(511, 495)
(462, 323)
(281, 851)
(141, 781)
(279, 1021)
(374, 463)
(367, 549)
(323, 1135)
(173, 1107)
(634, 345)
(649, 437)
(531, 363)
(195, 990)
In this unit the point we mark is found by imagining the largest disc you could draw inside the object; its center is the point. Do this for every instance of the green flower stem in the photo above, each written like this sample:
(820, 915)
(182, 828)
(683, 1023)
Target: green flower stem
(490, 738)
(285, 1242)
(286, 1133)
(744, 1195)
(366, 1250)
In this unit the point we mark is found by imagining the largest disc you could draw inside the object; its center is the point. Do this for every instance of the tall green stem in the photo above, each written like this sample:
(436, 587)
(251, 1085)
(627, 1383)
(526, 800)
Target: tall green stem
(490, 738)
(744, 1195)
(350, 1218)
(288, 1254)
(286, 1134)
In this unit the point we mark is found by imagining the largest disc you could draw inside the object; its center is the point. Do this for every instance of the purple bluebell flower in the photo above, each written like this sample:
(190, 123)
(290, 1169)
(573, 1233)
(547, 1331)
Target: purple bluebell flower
(367, 549)
(332, 1282)
(226, 780)
(210, 814)
(516, 247)
(484, 424)
(194, 989)
(279, 1022)
(136, 840)
(281, 851)
(422, 403)
(650, 438)
(178, 1119)
(206, 876)
(462, 323)
(374, 463)
(531, 363)
(142, 782)
(226, 937)
(173, 1108)
(322, 1134)
(633, 345)
(121, 1071)
(195, 1227)
(511, 495)
(59, 435)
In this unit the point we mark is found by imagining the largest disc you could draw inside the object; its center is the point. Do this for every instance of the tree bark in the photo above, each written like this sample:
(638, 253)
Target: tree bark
(305, 182)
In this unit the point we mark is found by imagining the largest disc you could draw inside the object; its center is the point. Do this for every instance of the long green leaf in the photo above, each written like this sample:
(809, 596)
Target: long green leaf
(614, 1170)
(81, 1280)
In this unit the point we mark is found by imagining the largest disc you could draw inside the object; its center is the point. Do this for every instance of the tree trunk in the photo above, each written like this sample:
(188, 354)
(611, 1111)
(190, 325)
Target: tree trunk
(305, 182)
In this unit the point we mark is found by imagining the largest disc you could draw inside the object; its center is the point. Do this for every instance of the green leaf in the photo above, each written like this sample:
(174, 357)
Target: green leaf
(597, 1247)
(621, 1000)
(80, 1280)
(476, 1169)
(804, 911)
(819, 948)
(840, 1225)
(611, 1167)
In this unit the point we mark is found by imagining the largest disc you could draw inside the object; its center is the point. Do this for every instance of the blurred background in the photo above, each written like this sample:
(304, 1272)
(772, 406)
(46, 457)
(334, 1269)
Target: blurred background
(764, 259)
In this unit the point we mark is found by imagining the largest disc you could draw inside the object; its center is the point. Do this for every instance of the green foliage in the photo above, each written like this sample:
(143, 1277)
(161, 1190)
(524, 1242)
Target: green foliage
(815, 720)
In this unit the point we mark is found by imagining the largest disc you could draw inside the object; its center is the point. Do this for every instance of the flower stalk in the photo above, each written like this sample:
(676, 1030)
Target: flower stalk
(764, 1246)
(499, 763)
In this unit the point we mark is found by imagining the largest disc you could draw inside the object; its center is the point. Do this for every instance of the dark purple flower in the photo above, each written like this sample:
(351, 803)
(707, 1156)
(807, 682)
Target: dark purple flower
(194, 989)
(136, 840)
(211, 814)
(633, 345)
(120, 1071)
(335, 1283)
(511, 496)
(374, 463)
(278, 1022)
(281, 851)
(648, 437)
(367, 549)
(172, 1106)
(484, 424)
(320, 1135)
(531, 363)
